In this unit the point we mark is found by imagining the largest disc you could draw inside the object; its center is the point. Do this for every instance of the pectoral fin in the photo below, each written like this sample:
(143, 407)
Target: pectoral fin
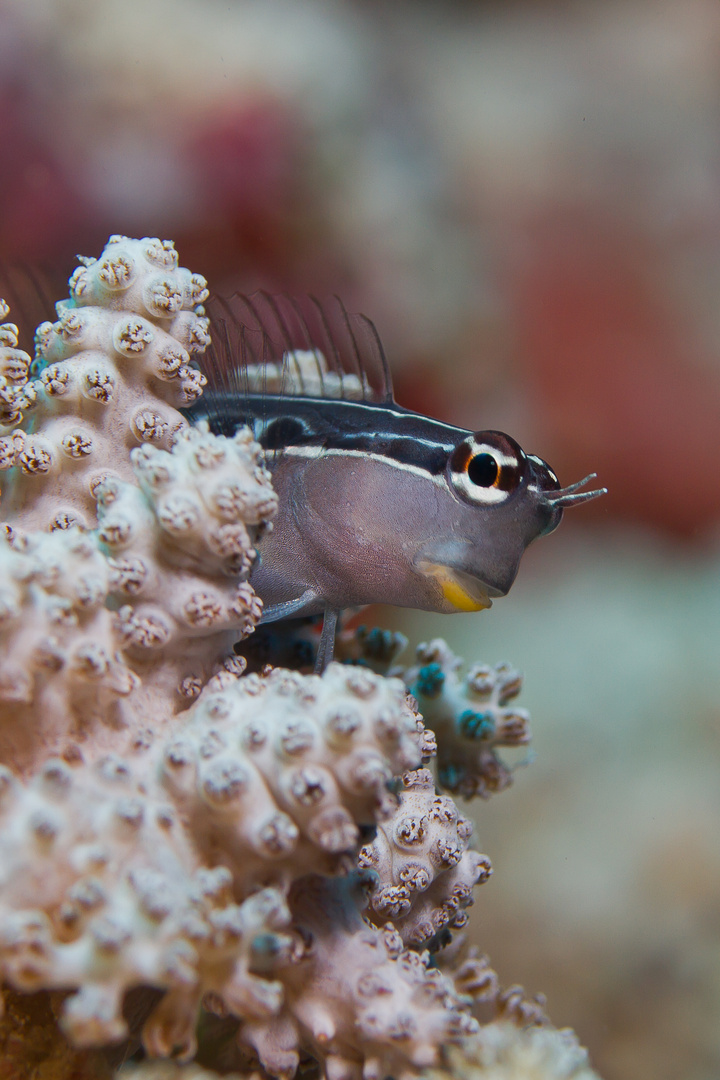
(288, 609)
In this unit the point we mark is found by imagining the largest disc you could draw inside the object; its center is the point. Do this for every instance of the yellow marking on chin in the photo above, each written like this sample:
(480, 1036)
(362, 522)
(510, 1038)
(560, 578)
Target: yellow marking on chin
(461, 600)
(454, 593)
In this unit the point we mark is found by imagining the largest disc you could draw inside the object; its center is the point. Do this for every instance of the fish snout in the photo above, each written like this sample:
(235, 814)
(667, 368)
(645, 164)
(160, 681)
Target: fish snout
(543, 482)
(541, 475)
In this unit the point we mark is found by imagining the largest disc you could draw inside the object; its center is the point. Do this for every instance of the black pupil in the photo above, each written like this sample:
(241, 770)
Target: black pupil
(483, 470)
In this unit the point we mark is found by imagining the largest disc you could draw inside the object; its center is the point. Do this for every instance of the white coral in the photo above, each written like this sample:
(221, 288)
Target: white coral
(502, 1052)
(278, 771)
(426, 872)
(357, 999)
(103, 883)
(165, 822)
(60, 668)
(112, 372)
(101, 890)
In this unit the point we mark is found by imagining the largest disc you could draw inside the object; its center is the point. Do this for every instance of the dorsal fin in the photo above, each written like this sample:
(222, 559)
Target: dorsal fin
(29, 292)
(295, 346)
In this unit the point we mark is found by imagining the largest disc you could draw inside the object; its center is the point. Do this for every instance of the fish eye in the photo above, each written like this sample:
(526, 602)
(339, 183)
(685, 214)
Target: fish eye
(486, 467)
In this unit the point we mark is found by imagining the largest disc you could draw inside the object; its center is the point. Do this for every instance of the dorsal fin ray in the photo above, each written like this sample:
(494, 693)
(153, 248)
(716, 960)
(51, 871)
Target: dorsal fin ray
(293, 346)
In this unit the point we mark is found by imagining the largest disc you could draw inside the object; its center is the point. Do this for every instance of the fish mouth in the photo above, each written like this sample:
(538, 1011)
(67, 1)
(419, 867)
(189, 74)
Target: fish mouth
(461, 590)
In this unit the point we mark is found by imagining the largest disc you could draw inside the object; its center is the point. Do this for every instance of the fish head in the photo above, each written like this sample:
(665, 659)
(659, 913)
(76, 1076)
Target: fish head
(502, 499)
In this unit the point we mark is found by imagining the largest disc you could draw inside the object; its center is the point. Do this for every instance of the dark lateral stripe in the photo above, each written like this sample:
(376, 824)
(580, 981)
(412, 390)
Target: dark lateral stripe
(406, 451)
(286, 432)
(387, 431)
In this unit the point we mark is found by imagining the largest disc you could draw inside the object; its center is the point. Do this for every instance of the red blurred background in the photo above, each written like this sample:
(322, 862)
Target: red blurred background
(525, 196)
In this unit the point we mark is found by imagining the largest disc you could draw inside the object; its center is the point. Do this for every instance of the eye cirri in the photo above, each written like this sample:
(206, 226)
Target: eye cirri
(485, 468)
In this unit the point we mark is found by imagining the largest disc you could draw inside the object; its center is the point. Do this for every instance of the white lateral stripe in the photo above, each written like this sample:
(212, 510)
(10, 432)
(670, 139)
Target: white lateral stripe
(320, 451)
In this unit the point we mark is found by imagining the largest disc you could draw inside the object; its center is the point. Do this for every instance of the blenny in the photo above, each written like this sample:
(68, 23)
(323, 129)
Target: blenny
(377, 504)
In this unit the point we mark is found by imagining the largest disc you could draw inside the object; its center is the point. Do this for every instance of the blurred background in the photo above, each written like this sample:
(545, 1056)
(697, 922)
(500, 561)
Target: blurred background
(525, 197)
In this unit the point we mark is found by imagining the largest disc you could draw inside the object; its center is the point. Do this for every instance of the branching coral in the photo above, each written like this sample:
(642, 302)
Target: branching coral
(101, 890)
(501, 1052)
(121, 613)
(357, 999)
(267, 848)
(426, 871)
(471, 717)
(278, 771)
(110, 373)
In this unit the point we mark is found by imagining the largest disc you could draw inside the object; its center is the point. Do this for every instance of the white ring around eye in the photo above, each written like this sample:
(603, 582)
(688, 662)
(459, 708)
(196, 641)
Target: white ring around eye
(506, 461)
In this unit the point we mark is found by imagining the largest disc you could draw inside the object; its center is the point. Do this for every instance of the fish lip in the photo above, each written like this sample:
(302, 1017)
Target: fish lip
(479, 593)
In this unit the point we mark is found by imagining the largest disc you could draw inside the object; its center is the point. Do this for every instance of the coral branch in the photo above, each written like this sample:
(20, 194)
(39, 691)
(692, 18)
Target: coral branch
(426, 872)
(470, 716)
(357, 999)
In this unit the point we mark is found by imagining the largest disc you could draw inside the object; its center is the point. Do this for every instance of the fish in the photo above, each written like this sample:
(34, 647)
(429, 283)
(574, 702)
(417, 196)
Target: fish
(377, 503)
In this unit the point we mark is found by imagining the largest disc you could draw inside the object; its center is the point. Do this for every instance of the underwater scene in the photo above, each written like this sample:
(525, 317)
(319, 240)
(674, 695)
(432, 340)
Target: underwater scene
(524, 198)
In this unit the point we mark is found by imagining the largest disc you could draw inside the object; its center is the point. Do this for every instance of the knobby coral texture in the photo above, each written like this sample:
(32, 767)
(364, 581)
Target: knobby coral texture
(183, 844)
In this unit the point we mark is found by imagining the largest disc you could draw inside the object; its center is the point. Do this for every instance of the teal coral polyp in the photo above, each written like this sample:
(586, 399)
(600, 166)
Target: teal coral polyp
(429, 682)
